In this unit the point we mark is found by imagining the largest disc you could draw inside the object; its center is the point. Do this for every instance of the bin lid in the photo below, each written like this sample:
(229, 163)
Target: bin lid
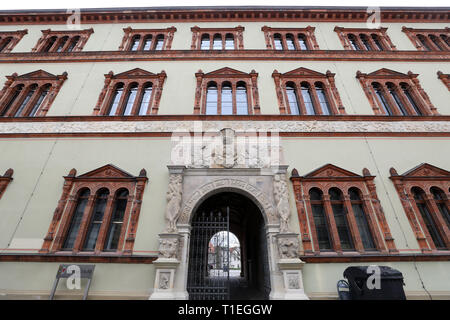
(360, 272)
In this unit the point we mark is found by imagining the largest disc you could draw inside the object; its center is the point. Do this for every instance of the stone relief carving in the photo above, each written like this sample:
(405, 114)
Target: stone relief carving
(164, 278)
(168, 248)
(288, 248)
(173, 202)
(280, 192)
(293, 282)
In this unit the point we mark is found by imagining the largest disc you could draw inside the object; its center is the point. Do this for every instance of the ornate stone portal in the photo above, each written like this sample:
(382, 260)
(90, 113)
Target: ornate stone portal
(254, 170)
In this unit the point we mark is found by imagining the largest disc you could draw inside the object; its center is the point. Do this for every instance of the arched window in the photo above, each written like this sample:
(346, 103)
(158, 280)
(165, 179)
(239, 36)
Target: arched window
(17, 90)
(147, 43)
(445, 39)
(4, 43)
(324, 105)
(145, 99)
(31, 91)
(116, 222)
(217, 42)
(211, 98)
(407, 92)
(340, 217)
(353, 42)
(424, 42)
(435, 41)
(277, 41)
(291, 93)
(307, 99)
(241, 98)
(135, 43)
(303, 45)
(101, 199)
(38, 103)
(50, 43)
(361, 219)
(75, 222)
(227, 99)
(129, 101)
(159, 42)
(73, 43)
(320, 221)
(419, 197)
(377, 41)
(205, 44)
(115, 99)
(365, 41)
(62, 42)
(396, 98)
(381, 98)
(290, 42)
(440, 199)
(229, 42)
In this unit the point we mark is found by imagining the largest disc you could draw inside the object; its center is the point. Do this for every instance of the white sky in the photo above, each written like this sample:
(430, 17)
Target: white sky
(66, 4)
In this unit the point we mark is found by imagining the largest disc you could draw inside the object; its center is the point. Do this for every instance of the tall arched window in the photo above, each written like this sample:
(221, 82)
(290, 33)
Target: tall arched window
(98, 213)
(62, 42)
(302, 43)
(145, 99)
(4, 43)
(82, 200)
(217, 42)
(31, 91)
(377, 41)
(353, 42)
(211, 98)
(241, 99)
(116, 222)
(205, 43)
(340, 217)
(361, 219)
(391, 87)
(307, 99)
(117, 94)
(129, 101)
(407, 92)
(277, 41)
(419, 197)
(292, 98)
(435, 41)
(290, 42)
(320, 221)
(147, 42)
(135, 43)
(440, 199)
(324, 104)
(381, 98)
(365, 41)
(424, 42)
(159, 42)
(229, 41)
(37, 104)
(227, 99)
(73, 43)
(49, 44)
(17, 90)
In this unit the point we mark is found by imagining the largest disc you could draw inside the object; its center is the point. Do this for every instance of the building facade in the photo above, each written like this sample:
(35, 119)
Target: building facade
(320, 139)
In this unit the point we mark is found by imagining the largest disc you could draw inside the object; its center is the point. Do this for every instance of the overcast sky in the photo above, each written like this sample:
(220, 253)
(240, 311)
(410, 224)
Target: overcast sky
(59, 4)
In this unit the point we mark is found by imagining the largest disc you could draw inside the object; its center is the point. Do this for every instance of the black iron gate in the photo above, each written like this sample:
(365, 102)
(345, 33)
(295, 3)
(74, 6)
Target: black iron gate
(209, 256)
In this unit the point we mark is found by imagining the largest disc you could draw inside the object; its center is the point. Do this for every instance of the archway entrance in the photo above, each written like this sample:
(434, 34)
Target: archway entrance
(228, 250)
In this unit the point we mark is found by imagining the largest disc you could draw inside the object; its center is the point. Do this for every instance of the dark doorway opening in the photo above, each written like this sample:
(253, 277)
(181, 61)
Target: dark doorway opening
(213, 275)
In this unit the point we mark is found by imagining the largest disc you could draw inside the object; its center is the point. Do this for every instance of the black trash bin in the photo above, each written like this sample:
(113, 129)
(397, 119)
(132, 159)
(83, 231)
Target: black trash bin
(391, 284)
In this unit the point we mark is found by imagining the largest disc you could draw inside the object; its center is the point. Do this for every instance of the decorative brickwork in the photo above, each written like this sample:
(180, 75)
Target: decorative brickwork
(62, 40)
(421, 190)
(302, 75)
(306, 34)
(147, 39)
(429, 39)
(398, 93)
(234, 34)
(29, 95)
(445, 78)
(148, 88)
(330, 177)
(113, 180)
(219, 78)
(5, 180)
(365, 39)
(9, 39)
